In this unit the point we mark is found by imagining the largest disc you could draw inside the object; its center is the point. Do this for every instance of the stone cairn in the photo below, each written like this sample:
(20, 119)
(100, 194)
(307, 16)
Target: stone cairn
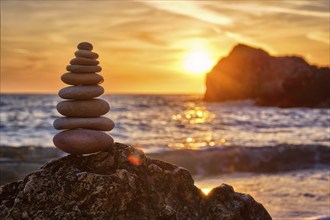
(83, 125)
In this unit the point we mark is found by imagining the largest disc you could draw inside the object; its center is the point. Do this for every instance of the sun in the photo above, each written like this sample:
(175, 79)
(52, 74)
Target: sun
(198, 62)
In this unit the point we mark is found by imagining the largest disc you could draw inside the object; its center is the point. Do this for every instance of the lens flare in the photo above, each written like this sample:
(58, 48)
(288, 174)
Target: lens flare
(134, 160)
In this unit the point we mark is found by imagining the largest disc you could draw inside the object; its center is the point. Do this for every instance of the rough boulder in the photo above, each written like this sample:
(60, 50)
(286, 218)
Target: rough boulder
(250, 73)
(121, 184)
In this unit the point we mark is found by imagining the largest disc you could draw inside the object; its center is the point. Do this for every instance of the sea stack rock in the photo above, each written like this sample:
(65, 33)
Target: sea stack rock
(83, 125)
(282, 81)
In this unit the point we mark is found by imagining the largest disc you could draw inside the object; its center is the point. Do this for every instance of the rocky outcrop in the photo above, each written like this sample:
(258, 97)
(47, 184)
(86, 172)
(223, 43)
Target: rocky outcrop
(120, 184)
(250, 73)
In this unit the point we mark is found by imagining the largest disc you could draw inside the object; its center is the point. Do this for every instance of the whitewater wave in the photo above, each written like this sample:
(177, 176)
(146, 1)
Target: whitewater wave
(207, 162)
(249, 159)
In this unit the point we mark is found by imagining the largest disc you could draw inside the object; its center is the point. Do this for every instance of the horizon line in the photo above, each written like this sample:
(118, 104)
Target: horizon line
(115, 93)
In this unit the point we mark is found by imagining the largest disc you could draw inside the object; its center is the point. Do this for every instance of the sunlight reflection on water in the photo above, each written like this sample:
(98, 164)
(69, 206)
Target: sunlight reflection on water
(198, 143)
(168, 122)
(197, 115)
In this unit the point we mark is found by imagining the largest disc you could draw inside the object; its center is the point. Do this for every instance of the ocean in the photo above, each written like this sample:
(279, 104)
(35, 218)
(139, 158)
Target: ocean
(279, 156)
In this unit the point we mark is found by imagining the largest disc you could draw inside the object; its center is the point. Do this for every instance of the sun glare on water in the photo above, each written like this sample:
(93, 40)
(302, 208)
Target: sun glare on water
(198, 62)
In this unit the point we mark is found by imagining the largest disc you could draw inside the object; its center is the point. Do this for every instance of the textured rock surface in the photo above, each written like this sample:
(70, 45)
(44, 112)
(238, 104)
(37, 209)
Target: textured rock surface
(250, 73)
(120, 184)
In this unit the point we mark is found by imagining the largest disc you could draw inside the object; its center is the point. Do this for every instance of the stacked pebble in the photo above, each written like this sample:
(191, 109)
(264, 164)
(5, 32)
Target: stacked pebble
(83, 123)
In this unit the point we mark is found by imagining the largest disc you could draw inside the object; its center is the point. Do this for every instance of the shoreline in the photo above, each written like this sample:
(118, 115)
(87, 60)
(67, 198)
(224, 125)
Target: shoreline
(307, 200)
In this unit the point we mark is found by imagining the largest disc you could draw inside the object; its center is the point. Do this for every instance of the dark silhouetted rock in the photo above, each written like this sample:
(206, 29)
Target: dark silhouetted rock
(120, 184)
(250, 73)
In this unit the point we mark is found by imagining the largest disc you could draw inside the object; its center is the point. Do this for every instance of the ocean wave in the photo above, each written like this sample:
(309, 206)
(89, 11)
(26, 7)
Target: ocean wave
(207, 162)
(28, 154)
(222, 160)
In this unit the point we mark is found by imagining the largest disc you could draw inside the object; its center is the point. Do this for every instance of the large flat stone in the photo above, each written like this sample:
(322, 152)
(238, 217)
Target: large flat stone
(83, 69)
(82, 141)
(82, 79)
(84, 61)
(83, 108)
(100, 123)
(86, 54)
(81, 92)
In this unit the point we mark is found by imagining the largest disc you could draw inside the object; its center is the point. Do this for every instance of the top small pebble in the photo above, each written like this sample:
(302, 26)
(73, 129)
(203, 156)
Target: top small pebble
(85, 46)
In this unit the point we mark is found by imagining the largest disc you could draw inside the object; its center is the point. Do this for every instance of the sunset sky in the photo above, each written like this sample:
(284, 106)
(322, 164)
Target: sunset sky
(151, 46)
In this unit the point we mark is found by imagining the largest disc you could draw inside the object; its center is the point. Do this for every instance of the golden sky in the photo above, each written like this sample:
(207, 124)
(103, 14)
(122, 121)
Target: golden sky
(151, 46)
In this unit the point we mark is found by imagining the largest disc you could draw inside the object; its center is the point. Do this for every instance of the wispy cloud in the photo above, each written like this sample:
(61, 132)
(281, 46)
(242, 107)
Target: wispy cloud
(322, 37)
(193, 9)
(250, 41)
(149, 39)
(289, 7)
